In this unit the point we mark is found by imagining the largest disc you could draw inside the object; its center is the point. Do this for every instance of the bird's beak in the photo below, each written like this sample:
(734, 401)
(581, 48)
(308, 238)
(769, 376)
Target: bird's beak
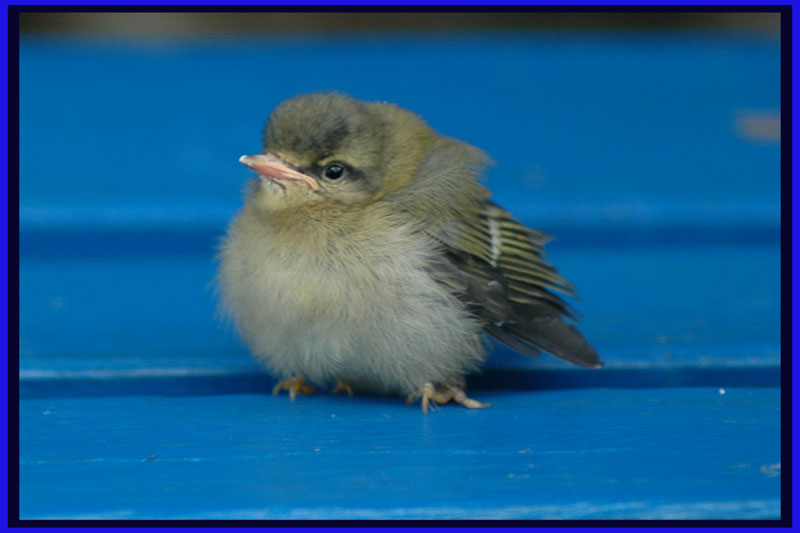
(276, 169)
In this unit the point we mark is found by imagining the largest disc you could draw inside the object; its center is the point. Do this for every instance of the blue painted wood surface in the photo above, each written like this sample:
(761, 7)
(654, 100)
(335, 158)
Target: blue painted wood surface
(644, 453)
(632, 151)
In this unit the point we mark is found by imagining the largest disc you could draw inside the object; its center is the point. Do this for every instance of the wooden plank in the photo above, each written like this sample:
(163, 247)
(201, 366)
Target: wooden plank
(648, 453)
(620, 127)
(642, 308)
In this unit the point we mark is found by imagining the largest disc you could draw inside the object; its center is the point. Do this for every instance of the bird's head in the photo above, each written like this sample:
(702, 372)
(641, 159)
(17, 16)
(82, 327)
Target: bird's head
(325, 148)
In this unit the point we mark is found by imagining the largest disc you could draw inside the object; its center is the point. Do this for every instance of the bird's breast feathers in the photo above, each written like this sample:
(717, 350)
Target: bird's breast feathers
(365, 308)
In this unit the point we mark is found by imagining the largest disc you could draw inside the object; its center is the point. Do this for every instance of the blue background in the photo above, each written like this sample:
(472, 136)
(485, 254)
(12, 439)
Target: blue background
(627, 148)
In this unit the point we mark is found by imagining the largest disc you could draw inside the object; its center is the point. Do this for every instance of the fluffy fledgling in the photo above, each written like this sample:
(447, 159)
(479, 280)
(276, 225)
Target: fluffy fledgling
(368, 256)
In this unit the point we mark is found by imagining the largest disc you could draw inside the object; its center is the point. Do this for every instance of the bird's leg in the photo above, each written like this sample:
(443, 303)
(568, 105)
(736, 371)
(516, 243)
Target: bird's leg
(453, 390)
(459, 396)
(296, 385)
(341, 386)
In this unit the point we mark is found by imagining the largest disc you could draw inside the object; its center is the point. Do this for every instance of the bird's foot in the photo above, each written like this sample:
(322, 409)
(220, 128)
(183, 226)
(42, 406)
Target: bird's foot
(452, 391)
(296, 385)
(341, 386)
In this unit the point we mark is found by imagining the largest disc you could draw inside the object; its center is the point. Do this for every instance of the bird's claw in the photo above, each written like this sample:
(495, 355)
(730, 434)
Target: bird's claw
(426, 393)
(296, 385)
(453, 391)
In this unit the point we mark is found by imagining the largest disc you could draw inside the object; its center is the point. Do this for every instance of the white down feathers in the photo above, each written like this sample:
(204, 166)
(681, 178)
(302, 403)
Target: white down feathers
(378, 322)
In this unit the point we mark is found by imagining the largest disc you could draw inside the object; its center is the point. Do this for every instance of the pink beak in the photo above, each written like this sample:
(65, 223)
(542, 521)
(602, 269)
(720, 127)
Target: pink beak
(276, 169)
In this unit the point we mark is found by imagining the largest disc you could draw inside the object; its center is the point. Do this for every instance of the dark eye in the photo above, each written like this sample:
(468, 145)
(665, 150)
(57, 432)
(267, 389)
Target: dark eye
(334, 171)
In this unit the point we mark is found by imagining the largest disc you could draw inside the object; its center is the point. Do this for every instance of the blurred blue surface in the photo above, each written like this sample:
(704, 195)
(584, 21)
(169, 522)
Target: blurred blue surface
(637, 152)
(630, 126)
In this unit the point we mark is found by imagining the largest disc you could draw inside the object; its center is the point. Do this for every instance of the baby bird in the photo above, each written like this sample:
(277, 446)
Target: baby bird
(368, 255)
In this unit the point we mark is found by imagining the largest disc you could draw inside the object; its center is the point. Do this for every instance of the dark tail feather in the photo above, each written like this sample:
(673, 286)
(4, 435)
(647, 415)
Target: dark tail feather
(550, 334)
(512, 341)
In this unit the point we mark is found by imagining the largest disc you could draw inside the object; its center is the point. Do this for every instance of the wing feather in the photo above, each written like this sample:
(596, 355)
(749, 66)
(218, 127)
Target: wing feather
(500, 270)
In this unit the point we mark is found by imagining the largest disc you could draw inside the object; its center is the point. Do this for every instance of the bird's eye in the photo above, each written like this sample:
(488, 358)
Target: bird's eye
(334, 171)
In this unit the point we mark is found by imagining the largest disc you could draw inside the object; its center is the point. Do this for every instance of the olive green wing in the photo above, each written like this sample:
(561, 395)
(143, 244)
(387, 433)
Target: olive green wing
(497, 266)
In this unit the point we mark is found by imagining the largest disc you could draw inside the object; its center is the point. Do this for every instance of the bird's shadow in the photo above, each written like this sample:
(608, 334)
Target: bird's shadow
(491, 379)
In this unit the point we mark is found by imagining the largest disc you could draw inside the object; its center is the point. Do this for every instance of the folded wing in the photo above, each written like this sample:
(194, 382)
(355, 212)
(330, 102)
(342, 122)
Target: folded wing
(497, 266)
